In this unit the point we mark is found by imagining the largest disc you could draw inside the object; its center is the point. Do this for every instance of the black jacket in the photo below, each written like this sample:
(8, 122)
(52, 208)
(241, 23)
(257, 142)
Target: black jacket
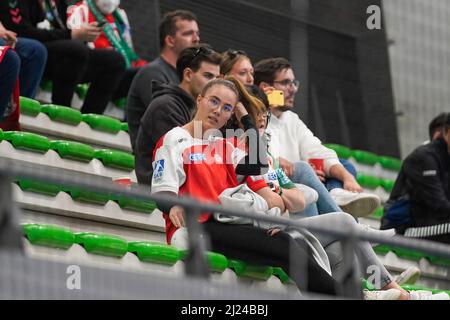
(171, 107)
(24, 16)
(425, 176)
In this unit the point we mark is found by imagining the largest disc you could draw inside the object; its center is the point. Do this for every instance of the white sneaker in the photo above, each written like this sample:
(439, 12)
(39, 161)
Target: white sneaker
(409, 276)
(357, 204)
(391, 294)
(427, 295)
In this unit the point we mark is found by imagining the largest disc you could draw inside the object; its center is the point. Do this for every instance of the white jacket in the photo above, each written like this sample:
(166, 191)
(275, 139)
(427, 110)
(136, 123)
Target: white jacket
(291, 139)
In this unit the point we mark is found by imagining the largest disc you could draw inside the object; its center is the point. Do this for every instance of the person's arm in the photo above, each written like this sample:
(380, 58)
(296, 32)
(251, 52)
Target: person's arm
(422, 174)
(273, 199)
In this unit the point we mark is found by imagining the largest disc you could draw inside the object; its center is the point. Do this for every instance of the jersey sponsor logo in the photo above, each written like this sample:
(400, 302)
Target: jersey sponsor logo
(429, 173)
(195, 157)
(272, 176)
(158, 171)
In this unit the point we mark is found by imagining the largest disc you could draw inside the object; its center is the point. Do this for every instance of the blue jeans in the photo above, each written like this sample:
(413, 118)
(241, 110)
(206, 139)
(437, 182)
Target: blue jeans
(332, 183)
(304, 174)
(33, 56)
(9, 71)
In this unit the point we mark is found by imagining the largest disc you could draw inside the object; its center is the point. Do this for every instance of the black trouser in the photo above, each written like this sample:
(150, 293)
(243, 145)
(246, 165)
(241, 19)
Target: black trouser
(444, 238)
(125, 83)
(254, 245)
(71, 62)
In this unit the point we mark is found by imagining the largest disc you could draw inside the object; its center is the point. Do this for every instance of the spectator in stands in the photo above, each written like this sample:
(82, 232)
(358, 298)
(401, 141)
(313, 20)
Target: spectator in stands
(115, 34)
(180, 170)
(292, 142)
(436, 126)
(237, 64)
(173, 105)
(70, 61)
(33, 57)
(424, 178)
(9, 72)
(178, 30)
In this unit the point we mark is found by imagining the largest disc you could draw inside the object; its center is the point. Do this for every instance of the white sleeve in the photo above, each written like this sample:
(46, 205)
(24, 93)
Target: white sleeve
(168, 169)
(311, 147)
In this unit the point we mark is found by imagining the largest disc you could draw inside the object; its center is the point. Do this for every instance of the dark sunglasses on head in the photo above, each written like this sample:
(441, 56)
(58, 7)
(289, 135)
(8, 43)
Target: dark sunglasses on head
(204, 51)
(234, 53)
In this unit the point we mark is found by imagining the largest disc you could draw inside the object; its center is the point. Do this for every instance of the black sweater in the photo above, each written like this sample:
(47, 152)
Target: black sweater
(22, 17)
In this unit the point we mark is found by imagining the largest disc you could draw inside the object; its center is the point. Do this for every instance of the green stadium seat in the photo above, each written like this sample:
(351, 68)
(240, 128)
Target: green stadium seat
(136, 204)
(102, 244)
(411, 254)
(365, 157)
(378, 214)
(102, 123)
(243, 269)
(1, 135)
(121, 103)
(368, 181)
(115, 159)
(124, 126)
(81, 90)
(390, 163)
(155, 252)
(342, 151)
(216, 261)
(87, 196)
(29, 106)
(28, 141)
(279, 272)
(48, 235)
(62, 114)
(387, 184)
(39, 187)
(410, 287)
(46, 85)
(73, 150)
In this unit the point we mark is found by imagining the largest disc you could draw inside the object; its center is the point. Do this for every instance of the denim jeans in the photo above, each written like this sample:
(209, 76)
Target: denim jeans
(304, 174)
(33, 56)
(9, 71)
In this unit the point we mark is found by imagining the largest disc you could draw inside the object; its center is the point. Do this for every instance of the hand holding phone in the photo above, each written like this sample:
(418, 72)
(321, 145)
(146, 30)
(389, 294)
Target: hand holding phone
(276, 98)
(101, 23)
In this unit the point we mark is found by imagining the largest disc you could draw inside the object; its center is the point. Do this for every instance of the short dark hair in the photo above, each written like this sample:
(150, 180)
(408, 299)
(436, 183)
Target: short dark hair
(437, 124)
(192, 57)
(266, 69)
(168, 27)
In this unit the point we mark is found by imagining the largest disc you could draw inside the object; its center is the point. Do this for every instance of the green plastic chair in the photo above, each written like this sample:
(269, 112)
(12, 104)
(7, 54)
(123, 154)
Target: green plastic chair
(279, 272)
(390, 163)
(81, 90)
(124, 126)
(1, 135)
(73, 150)
(39, 187)
(46, 85)
(102, 123)
(341, 151)
(365, 157)
(27, 141)
(387, 184)
(89, 196)
(243, 269)
(102, 244)
(368, 181)
(116, 159)
(136, 204)
(155, 252)
(49, 235)
(62, 114)
(378, 214)
(216, 261)
(29, 106)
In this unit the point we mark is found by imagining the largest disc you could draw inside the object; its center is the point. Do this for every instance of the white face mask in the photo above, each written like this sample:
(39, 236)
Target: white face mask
(107, 6)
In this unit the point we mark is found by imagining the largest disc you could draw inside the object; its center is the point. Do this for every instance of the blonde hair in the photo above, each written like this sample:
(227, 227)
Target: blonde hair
(229, 59)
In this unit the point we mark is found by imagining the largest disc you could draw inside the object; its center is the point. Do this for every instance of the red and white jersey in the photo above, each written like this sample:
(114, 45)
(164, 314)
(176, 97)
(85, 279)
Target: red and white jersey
(79, 16)
(199, 168)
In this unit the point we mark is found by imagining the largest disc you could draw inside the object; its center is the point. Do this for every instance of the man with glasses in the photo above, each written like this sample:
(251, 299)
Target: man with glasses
(178, 30)
(292, 143)
(173, 105)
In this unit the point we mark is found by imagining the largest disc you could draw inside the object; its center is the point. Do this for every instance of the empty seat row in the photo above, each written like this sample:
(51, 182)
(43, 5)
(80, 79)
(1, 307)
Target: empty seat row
(154, 252)
(410, 254)
(83, 195)
(69, 149)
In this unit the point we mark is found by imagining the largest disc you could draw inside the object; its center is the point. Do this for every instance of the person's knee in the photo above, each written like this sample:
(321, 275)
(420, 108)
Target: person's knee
(114, 62)
(344, 219)
(39, 52)
(348, 166)
(11, 63)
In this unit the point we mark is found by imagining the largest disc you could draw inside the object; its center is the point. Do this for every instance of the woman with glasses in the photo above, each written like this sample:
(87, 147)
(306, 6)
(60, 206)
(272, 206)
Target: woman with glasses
(237, 64)
(192, 160)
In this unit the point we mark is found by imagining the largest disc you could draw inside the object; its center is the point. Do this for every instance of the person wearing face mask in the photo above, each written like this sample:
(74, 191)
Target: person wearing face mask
(115, 34)
(70, 61)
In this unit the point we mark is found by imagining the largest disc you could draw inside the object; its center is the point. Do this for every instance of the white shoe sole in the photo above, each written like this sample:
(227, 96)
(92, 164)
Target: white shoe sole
(362, 207)
(409, 277)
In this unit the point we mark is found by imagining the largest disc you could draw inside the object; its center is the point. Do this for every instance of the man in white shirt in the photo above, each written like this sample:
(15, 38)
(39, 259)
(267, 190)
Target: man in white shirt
(292, 143)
